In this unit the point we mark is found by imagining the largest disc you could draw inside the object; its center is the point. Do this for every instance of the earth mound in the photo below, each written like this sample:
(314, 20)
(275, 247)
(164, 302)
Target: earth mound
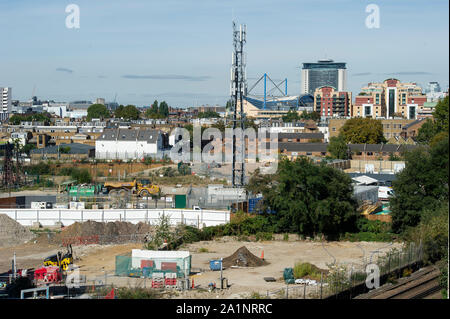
(111, 232)
(243, 258)
(12, 233)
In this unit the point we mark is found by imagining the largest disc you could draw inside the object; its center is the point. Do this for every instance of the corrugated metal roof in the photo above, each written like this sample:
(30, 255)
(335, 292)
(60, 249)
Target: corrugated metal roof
(149, 136)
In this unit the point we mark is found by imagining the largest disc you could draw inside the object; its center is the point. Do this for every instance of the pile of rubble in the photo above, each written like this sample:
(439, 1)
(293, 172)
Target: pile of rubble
(12, 233)
(106, 233)
(243, 258)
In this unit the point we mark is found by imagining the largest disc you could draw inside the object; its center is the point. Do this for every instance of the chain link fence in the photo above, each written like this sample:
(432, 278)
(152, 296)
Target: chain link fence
(344, 281)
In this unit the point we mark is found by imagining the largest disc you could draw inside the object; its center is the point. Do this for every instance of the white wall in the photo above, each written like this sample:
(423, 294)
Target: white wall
(48, 217)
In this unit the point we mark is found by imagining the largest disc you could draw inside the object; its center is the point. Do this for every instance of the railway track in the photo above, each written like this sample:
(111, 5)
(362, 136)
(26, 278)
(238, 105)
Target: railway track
(419, 285)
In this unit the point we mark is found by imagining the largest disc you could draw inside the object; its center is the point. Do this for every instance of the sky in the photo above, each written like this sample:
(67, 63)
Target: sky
(180, 50)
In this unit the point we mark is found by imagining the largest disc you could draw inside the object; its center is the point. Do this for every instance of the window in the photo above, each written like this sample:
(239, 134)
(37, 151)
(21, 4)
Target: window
(308, 153)
(334, 129)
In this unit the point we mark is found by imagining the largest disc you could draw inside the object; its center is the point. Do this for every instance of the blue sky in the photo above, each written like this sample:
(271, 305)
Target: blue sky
(180, 50)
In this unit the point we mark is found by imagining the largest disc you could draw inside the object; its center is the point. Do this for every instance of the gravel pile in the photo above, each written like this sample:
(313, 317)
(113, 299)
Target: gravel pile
(243, 258)
(12, 233)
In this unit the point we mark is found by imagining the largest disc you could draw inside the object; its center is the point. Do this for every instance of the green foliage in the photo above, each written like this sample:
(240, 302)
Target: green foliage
(432, 232)
(440, 115)
(431, 129)
(310, 199)
(82, 176)
(264, 236)
(363, 131)
(338, 148)
(137, 293)
(372, 226)
(64, 149)
(393, 157)
(163, 233)
(97, 111)
(38, 169)
(302, 270)
(158, 112)
(286, 237)
(163, 109)
(423, 183)
(208, 114)
(426, 132)
(129, 112)
(39, 117)
(27, 148)
(292, 116)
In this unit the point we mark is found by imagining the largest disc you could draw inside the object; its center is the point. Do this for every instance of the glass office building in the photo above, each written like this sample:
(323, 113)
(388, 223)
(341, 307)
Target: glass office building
(323, 73)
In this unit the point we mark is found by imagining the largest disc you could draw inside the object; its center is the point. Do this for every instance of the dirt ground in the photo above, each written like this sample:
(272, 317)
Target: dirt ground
(95, 261)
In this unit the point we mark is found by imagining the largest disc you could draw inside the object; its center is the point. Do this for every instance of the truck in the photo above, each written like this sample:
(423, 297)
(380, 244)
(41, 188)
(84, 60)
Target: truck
(142, 188)
(384, 193)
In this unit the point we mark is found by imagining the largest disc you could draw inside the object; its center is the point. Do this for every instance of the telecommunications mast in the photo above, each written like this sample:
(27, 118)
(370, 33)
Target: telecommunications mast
(238, 90)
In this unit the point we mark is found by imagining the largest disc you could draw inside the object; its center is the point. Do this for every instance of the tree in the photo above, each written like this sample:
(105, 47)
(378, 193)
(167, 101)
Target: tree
(130, 112)
(27, 148)
(426, 132)
(258, 182)
(363, 131)
(153, 111)
(82, 176)
(310, 199)
(229, 105)
(338, 148)
(64, 149)
(435, 130)
(315, 116)
(163, 109)
(208, 114)
(422, 184)
(440, 115)
(290, 116)
(39, 117)
(119, 111)
(97, 111)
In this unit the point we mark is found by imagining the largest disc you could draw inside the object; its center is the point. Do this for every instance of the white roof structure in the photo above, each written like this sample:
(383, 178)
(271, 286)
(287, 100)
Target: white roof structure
(364, 180)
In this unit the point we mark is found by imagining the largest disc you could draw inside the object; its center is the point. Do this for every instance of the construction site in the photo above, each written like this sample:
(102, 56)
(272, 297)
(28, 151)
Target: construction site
(89, 256)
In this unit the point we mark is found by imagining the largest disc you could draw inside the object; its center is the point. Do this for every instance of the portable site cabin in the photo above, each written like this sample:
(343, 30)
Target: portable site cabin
(143, 263)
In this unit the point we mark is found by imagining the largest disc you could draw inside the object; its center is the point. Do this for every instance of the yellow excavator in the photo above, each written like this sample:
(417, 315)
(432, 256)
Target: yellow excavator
(142, 188)
(60, 259)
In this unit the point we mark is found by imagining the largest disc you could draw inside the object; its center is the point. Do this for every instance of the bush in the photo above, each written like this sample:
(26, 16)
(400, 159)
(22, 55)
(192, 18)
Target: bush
(306, 269)
(137, 293)
(38, 169)
(264, 236)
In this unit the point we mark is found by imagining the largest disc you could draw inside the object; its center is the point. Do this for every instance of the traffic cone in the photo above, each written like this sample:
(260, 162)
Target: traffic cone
(193, 283)
(262, 254)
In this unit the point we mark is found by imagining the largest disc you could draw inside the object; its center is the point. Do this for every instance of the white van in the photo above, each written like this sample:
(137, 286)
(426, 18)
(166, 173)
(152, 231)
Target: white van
(385, 193)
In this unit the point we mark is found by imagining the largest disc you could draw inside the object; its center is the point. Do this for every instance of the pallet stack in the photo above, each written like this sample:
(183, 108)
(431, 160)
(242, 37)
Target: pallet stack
(170, 280)
(157, 280)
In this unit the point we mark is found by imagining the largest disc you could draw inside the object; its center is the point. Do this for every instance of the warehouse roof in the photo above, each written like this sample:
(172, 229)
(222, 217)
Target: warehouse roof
(149, 136)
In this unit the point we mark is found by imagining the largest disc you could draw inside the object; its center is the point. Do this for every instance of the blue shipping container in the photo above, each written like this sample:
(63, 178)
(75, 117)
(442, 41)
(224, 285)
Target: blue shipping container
(215, 264)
